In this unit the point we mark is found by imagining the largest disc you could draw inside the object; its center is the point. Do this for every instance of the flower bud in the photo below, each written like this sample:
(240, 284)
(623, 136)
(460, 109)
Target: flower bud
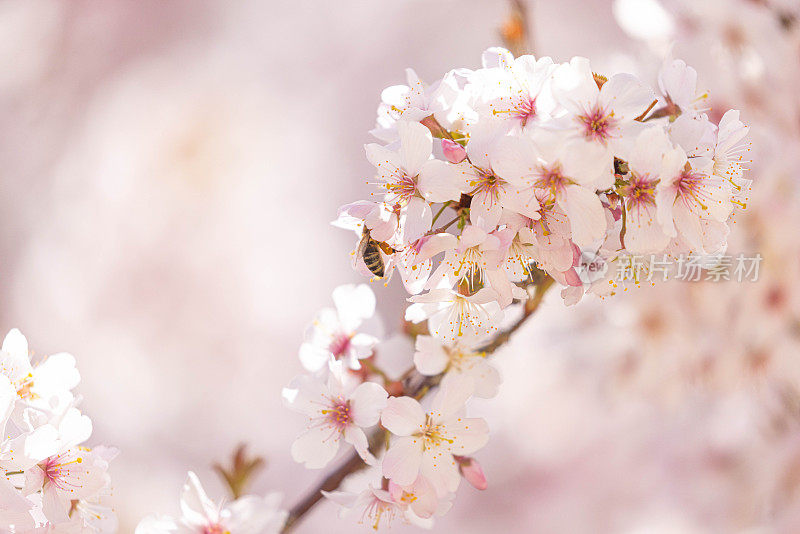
(454, 152)
(471, 471)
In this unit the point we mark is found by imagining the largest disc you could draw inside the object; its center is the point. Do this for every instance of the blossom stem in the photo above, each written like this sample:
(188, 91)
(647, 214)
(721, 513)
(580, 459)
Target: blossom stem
(669, 110)
(444, 206)
(443, 228)
(641, 117)
(418, 386)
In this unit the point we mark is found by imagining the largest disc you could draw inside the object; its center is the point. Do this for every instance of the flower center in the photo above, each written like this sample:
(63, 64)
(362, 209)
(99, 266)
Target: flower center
(56, 471)
(470, 268)
(339, 345)
(597, 124)
(523, 111)
(689, 188)
(640, 192)
(519, 253)
(338, 413)
(403, 187)
(462, 360)
(25, 388)
(551, 180)
(487, 182)
(464, 313)
(375, 510)
(216, 528)
(434, 434)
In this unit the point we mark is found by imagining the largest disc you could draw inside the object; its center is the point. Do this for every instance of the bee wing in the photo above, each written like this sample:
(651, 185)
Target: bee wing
(358, 257)
(389, 263)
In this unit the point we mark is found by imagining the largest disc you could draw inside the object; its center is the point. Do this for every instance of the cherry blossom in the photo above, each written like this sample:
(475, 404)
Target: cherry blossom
(558, 173)
(678, 83)
(425, 442)
(731, 149)
(644, 234)
(451, 314)
(691, 198)
(403, 176)
(513, 90)
(73, 474)
(334, 333)
(432, 357)
(336, 411)
(414, 101)
(45, 387)
(419, 498)
(52, 479)
(473, 260)
(600, 112)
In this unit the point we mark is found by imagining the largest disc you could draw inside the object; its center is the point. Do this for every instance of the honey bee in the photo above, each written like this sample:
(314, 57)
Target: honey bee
(370, 250)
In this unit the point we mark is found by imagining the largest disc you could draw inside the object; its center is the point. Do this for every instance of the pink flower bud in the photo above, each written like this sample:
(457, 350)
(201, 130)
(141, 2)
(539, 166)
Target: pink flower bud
(472, 472)
(454, 152)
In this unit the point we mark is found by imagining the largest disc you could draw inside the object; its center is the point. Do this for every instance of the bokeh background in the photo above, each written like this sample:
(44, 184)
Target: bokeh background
(169, 172)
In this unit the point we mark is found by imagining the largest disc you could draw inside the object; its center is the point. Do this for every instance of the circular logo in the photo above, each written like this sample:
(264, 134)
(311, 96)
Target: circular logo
(591, 267)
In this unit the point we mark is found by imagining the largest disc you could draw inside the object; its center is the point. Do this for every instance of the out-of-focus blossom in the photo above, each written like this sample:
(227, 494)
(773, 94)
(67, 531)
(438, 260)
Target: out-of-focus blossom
(200, 515)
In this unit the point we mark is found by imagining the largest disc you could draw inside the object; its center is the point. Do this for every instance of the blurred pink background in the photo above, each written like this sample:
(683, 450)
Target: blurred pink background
(170, 170)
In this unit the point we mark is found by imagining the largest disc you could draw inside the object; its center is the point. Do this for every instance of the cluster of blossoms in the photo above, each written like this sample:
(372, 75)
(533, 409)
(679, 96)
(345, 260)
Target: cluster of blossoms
(348, 394)
(50, 482)
(540, 165)
(492, 184)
